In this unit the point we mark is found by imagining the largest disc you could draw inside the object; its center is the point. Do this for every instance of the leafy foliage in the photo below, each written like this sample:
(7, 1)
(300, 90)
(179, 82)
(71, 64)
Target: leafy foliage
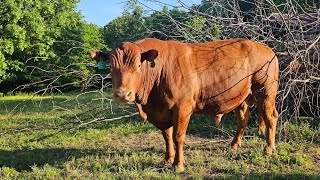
(47, 43)
(128, 27)
(29, 29)
(40, 33)
(163, 24)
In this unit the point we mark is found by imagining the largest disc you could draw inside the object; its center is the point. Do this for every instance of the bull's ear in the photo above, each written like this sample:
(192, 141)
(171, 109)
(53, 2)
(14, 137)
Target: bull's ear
(99, 55)
(150, 55)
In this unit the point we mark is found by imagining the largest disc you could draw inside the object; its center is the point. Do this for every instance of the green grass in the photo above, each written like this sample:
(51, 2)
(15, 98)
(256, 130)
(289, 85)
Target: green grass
(55, 137)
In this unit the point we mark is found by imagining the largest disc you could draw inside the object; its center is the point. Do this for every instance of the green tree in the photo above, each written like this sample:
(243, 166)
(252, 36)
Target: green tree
(167, 24)
(72, 52)
(200, 29)
(128, 27)
(40, 33)
(28, 30)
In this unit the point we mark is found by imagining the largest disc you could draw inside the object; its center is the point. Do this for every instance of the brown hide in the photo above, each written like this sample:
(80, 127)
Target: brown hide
(206, 78)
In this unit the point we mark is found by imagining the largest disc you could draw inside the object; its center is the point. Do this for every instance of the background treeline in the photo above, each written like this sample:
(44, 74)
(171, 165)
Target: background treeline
(52, 36)
(45, 44)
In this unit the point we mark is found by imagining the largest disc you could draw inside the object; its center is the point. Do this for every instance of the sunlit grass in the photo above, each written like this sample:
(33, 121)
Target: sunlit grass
(44, 137)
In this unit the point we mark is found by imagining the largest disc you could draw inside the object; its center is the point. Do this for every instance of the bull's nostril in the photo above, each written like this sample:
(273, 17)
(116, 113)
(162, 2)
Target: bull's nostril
(121, 95)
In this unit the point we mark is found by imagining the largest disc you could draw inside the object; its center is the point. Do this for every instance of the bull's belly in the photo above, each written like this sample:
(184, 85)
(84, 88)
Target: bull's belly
(215, 108)
(221, 104)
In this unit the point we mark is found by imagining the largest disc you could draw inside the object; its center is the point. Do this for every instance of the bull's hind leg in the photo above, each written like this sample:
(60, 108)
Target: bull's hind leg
(243, 114)
(262, 125)
(264, 88)
(269, 114)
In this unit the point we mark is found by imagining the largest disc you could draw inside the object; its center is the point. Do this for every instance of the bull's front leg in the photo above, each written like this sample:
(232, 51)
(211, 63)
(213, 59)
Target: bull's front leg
(169, 157)
(180, 123)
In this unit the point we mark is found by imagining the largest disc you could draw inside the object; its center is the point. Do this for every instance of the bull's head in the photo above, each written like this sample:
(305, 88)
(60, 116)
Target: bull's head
(127, 66)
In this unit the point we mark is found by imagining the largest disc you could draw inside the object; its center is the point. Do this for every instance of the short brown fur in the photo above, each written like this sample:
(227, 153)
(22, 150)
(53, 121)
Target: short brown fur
(205, 78)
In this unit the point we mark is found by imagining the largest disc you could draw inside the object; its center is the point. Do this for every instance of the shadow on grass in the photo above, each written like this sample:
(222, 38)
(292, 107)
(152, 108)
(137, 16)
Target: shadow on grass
(24, 159)
(203, 126)
(265, 176)
(128, 125)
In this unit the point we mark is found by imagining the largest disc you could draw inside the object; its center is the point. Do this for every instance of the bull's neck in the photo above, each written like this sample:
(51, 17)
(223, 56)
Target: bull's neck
(150, 79)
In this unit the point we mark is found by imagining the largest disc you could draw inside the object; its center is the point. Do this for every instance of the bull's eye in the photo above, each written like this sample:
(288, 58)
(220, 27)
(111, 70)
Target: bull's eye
(139, 65)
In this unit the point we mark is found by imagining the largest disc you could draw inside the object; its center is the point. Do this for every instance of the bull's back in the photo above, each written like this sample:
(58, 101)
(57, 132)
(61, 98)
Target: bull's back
(218, 75)
(225, 71)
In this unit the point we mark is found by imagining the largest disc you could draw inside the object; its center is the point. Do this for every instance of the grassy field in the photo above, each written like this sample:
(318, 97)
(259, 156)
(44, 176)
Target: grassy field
(76, 137)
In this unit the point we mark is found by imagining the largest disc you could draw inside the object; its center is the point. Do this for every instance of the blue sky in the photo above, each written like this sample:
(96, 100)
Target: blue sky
(103, 11)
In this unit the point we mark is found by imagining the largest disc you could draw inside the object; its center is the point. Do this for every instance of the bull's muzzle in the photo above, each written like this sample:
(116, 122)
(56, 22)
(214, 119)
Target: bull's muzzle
(122, 96)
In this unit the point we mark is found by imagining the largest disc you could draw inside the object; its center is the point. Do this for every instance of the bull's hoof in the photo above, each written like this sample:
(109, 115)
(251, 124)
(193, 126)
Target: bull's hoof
(234, 146)
(269, 150)
(179, 169)
(262, 129)
(167, 164)
(262, 132)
